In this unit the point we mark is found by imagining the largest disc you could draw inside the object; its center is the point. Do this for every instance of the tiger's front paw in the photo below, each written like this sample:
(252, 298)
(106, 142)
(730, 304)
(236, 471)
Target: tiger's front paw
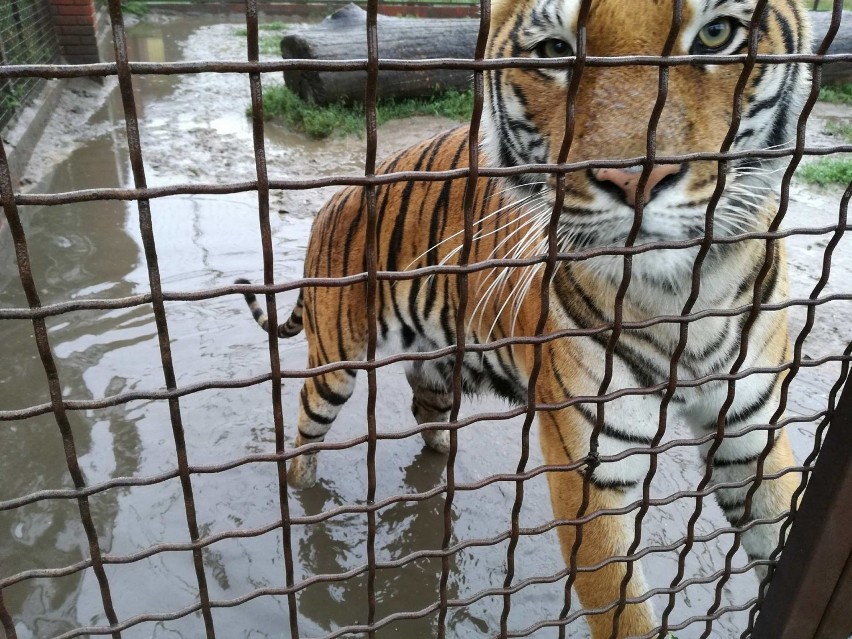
(437, 440)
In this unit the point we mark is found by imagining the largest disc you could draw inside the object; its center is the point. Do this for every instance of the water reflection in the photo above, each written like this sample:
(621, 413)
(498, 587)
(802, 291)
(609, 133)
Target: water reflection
(402, 529)
(77, 251)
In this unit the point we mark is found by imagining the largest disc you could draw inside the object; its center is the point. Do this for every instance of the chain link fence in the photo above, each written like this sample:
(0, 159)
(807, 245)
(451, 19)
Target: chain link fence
(26, 37)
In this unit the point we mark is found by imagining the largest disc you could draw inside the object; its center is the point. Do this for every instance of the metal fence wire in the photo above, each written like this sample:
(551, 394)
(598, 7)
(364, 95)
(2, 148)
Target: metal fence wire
(26, 37)
(24, 69)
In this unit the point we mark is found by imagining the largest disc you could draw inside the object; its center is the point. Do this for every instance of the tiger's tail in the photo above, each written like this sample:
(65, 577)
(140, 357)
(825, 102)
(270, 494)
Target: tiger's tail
(290, 328)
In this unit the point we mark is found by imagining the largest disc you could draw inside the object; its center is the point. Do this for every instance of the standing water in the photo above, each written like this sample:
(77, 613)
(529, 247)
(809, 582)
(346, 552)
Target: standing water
(194, 129)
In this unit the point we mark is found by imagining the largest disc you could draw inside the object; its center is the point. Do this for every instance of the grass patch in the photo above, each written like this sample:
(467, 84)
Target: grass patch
(272, 26)
(268, 44)
(828, 171)
(827, 5)
(320, 122)
(135, 7)
(837, 93)
(840, 129)
(265, 26)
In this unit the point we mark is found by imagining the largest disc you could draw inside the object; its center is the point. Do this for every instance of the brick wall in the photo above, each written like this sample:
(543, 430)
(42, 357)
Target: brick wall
(74, 21)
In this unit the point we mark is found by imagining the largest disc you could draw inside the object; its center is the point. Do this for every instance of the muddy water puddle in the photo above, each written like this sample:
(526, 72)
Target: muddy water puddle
(194, 129)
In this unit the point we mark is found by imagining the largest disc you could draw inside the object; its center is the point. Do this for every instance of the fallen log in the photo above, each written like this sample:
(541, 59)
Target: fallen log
(835, 72)
(343, 36)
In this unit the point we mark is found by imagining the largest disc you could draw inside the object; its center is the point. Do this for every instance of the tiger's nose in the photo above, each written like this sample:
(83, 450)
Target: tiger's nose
(627, 180)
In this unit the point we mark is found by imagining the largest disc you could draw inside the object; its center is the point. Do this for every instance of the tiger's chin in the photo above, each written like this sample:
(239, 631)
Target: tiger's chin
(663, 249)
(669, 270)
(656, 267)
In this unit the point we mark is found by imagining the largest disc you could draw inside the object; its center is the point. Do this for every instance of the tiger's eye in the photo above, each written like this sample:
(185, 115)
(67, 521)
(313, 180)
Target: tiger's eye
(553, 48)
(716, 34)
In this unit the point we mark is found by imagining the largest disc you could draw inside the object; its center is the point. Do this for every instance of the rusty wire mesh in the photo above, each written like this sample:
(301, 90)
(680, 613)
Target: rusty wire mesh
(60, 406)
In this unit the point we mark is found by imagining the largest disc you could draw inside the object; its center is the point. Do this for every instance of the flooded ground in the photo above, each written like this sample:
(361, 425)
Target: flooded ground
(194, 130)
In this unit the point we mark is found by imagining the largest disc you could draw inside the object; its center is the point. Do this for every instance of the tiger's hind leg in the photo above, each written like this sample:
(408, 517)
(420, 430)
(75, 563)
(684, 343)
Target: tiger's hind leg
(332, 337)
(431, 402)
(320, 401)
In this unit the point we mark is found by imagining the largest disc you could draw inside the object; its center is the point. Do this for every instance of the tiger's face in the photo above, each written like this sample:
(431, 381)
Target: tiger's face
(525, 118)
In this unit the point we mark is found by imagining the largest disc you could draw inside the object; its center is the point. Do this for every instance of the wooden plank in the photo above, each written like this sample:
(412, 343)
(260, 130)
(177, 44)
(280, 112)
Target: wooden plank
(812, 565)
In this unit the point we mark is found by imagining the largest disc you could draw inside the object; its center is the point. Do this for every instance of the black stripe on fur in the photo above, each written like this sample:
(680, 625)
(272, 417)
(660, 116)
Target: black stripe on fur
(290, 328)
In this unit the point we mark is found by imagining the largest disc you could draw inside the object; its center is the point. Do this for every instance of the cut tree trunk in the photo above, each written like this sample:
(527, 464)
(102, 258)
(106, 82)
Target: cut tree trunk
(837, 71)
(343, 36)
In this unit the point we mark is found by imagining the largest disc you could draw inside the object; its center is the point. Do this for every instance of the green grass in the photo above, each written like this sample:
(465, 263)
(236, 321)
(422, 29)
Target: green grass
(268, 44)
(826, 5)
(840, 129)
(135, 7)
(320, 122)
(837, 93)
(264, 26)
(828, 171)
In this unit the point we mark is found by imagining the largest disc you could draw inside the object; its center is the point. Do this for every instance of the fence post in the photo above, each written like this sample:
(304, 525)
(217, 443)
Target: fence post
(74, 21)
(809, 597)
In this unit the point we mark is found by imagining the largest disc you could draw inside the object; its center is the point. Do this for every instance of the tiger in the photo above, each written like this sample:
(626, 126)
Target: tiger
(421, 223)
